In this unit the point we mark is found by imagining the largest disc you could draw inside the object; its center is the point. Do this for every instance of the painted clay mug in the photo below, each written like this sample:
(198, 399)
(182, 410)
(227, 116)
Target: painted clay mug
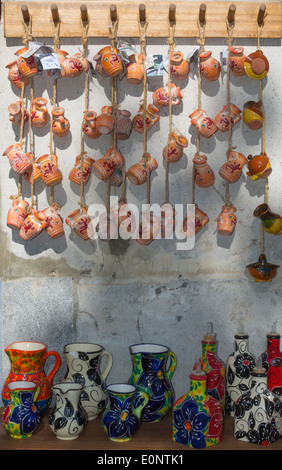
(123, 124)
(179, 67)
(259, 166)
(153, 366)
(14, 75)
(104, 167)
(161, 96)
(28, 67)
(209, 66)
(15, 113)
(193, 222)
(222, 118)
(236, 61)
(137, 173)
(39, 113)
(33, 225)
(148, 229)
(123, 414)
(232, 169)
(226, 220)
(112, 63)
(89, 125)
(271, 222)
(54, 223)
(74, 66)
(253, 115)
(151, 118)
(135, 70)
(80, 223)
(19, 161)
(174, 150)
(84, 367)
(256, 65)
(203, 174)
(51, 175)
(67, 418)
(21, 416)
(105, 122)
(204, 124)
(60, 124)
(85, 164)
(27, 363)
(17, 213)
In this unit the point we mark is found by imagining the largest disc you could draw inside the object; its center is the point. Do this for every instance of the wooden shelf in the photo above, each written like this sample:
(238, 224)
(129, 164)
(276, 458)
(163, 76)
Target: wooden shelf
(150, 436)
(187, 14)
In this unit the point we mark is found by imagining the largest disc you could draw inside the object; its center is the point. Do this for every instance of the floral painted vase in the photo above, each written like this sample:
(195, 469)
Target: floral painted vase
(238, 368)
(151, 375)
(68, 418)
(272, 361)
(21, 416)
(258, 412)
(27, 364)
(197, 416)
(17, 213)
(227, 220)
(209, 66)
(125, 404)
(203, 174)
(161, 96)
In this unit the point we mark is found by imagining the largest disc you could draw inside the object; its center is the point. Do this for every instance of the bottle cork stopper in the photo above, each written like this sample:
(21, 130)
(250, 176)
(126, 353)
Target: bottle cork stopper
(259, 369)
(209, 336)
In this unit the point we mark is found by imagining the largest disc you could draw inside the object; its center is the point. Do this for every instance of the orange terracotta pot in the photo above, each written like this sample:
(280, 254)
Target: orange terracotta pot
(105, 122)
(194, 222)
(19, 161)
(104, 167)
(54, 223)
(222, 119)
(75, 173)
(17, 213)
(259, 167)
(204, 124)
(174, 150)
(209, 66)
(112, 63)
(226, 220)
(203, 174)
(161, 96)
(135, 70)
(33, 225)
(151, 118)
(232, 169)
(14, 75)
(27, 67)
(80, 223)
(137, 174)
(60, 124)
(89, 125)
(149, 229)
(236, 61)
(179, 67)
(39, 113)
(51, 175)
(15, 113)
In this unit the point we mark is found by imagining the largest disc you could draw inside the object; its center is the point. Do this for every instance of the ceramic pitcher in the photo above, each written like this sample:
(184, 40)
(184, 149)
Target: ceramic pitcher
(27, 364)
(226, 221)
(84, 367)
(209, 66)
(104, 167)
(111, 62)
(28, 67)
(137, 173)
(148, 229)
(179, 67)
(270, 221)
(222, 118)
(174, 150)
(203, 174)
(151, 118)
(85, 165)
(253, 114)
(232, 169)
(105, 122)
(21, 416)
(135, 70)
(15, 113)
(204, 124)
(122, 416)
(51, 175)
(89, 125)
(60, 124)
(19, 161)
(74, 66)
(54, 223)
(193, 222)
(68, 418)
(39, 112)
(14, 75)
(152, 375)
(123, 124)
(236, 61)
(33, 225)
(80, 223)
(161, 96)
(17, 213)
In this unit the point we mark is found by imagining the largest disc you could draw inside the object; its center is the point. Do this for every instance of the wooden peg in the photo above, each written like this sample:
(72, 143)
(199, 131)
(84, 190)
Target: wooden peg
(171, 13)
(231, 14)
(25, 14)
(261, 14)
(55, 13)
(202, 13)
(84, 13)
(142, 13)
(113, 13)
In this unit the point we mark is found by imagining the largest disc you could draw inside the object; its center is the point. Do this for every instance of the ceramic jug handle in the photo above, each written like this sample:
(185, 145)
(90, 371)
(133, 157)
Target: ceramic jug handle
(109, 364)
(50, 376)
(144, 402)
(172, 366)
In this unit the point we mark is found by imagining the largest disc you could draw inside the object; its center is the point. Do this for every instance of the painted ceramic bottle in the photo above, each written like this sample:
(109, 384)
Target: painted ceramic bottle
(238, 368)
(105, 167)
(174, 150)
(89, 125)
(197, 416)
(28, 67)
(257, 412)
(27, 364)
(203, 174)
(17, 213)
(236, 61)
(21, 416)
(149, 228)
(227, 220)
(14, 75)
(261, 270)
(122, 417)
(60, 124)
(151, 375)
(80, 223)
(19, 161)
(272, 361)
(135, 70)
(68, 418)
(39, 113)
(179, 67)
(232, 169)
(221, 120)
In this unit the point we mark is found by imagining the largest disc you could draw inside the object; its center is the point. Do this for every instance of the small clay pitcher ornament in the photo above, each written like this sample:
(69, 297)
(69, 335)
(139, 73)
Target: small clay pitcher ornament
(174, 150)
(28, 360)
(256, 65)
(51, 175)
(19, 161)
(67, 418)
(39, 113)
(236, 61)
(104, 167)
(112, 63)
(161, 96)
(15, 113)
(14, 75)
(135, 70)
(54, 223)
(80, 223)
(226, 221)
(99, 68)
(33, 225)
(209, 66)
(137, 173)
(203, 174)
(74, 66)
(149, 228)
(253, 115)
(28, 67)
(259, 166)
(123, 124)
(89, 125)
(261, 270)
(271, 222)
(193, 222)
(17, 213)
(204, 124)
(33, 174)
(179, 67)
(222, 119)
(84, 164)
(21, 416)
(105, 122)
(60, 124)
(232, 169)
(152, 118)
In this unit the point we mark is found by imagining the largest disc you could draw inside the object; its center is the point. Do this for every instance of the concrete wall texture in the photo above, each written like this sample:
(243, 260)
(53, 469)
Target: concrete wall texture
(119, 293)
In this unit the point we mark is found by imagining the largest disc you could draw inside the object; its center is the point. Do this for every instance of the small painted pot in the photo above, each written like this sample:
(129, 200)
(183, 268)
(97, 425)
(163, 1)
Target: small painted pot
(236, 61)
(161, 96)
(17, 213)
(60, 124)
(39, 113)
(27, 67)
(232, 169)
(209, 66)
(256, 65)
(112, 63)
(174, 150)
(19, 161)
(15, 113)
(137, 174)
(89, 125)
(261, 270)
(123, 124)
(270, 221)
(33, 174)
(33, 225)
(259, 167)
(226, 220)
(135, 70)
(105, 122)
(179, 67)
(51, 175)
(14, 75)
(151, 118)
(253, 115)
(203, 174)
(98, 57)
(74, 66)
(54, 223)
(80, 223)
(75, 173)
(148, 229)
(104, 167)
(204, 124)
(193, 222)
(222, 119)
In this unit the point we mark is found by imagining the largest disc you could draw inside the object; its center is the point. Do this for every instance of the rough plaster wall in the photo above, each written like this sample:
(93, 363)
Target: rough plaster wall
(117, 294)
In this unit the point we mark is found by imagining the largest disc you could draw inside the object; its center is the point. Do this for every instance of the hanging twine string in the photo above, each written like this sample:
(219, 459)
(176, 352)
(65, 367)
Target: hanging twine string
(230, 29)
(31, 144)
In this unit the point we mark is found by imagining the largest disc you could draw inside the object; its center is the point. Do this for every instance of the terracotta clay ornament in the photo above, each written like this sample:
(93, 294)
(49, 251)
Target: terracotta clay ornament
(227, 220)
(135, 70)
(152, 118)
(14, 75)
(232, 169)
(161, 96)
(271, 222)
(261, 270)
(174, 150)
(15, 113)
(256, 65)
(259, 166)
(179, 67)
(137, 173)
(253, 114)
(209, 66)
(104, 167)
(222, 118)
(39, 112)
(203, 174)
(204, 124)
(60, 124)
(236, 61)
(89, 125)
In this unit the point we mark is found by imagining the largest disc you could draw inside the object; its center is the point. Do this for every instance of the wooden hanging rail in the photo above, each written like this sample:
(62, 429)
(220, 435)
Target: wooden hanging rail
(187, 13)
